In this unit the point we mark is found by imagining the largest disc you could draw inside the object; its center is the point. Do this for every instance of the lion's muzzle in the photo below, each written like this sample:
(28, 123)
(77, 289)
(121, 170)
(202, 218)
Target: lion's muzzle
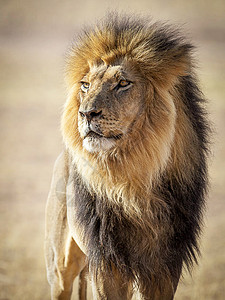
(90, 114)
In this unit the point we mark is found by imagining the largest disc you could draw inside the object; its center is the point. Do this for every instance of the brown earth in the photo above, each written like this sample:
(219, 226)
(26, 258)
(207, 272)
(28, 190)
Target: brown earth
(33, 38)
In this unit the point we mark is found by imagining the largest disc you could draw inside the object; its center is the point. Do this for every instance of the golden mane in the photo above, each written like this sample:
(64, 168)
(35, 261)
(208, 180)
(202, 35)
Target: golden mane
(130, 173)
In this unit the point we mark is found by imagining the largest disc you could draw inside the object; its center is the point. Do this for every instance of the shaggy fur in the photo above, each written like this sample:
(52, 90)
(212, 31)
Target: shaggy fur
(140, 203)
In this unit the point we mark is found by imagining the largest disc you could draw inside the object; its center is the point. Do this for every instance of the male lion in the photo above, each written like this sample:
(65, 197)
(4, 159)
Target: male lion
(127, 193)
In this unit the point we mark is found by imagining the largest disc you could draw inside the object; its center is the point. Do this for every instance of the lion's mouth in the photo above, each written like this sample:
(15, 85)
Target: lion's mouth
(95, 135)
(95, 141)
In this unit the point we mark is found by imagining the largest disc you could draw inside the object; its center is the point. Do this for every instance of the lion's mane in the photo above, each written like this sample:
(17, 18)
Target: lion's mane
(141, 207)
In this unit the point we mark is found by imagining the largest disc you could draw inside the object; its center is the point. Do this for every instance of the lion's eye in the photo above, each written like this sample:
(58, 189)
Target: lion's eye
(123, 83)
(85, 86)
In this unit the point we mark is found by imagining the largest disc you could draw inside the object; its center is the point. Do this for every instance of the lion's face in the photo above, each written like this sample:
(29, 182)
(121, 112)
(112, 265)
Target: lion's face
(110, 104)
(114, 112)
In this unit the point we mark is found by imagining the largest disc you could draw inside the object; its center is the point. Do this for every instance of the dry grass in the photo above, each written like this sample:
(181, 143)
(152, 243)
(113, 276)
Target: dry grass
(32, 93)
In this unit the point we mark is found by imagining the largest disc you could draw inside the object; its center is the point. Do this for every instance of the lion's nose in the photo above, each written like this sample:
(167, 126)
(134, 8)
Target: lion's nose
(90, 114)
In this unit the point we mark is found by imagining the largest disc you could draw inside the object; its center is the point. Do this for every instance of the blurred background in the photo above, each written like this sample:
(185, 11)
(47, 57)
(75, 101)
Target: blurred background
(34, 37)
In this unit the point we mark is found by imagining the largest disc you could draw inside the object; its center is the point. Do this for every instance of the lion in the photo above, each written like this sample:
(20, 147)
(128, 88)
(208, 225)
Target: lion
(128, 192)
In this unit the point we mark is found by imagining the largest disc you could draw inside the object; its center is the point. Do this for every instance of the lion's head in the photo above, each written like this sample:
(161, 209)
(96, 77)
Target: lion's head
(111, 105)
(125, 120)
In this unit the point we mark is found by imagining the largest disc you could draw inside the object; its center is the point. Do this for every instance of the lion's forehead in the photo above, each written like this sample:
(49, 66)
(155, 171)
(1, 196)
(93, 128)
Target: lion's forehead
(105, 73)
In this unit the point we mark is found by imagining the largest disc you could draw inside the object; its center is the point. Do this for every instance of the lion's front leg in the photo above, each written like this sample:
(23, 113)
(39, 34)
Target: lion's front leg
(64, 259)
(62, 268)
(111, 286)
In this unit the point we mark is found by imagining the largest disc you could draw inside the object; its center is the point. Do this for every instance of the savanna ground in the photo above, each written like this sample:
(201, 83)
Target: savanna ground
(33, 38)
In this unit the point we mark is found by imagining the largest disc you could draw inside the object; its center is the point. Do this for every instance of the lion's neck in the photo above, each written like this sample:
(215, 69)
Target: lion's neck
(119, 179)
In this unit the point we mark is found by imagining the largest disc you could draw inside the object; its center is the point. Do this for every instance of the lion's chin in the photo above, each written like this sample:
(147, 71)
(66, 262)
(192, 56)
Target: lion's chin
(97, 144)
